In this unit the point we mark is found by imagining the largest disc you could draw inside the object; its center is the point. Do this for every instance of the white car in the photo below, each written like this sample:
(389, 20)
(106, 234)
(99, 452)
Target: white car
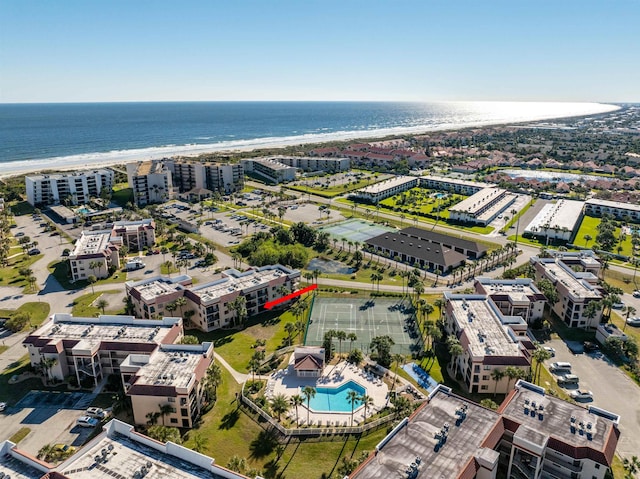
(633, 321)
(3, 406)
(96, 413)
(636, 293)
(580, 394)
(86, 421)
(550, 350)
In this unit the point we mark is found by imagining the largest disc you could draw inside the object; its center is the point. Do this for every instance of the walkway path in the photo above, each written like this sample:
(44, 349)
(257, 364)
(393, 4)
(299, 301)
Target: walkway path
(239, 377)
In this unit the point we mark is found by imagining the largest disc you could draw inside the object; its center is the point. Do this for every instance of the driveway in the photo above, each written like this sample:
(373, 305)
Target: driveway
(612, 390)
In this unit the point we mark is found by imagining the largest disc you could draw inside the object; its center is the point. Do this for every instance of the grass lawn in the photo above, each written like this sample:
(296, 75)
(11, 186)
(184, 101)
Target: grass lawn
(21, 208)
(82, 306)
(622, 281)
(39, 312)
(514, 219)
(20, 435)
(589, 226)
(12, 393)
(230, 432)
(9, 275)
(122, 196)
(60, 269)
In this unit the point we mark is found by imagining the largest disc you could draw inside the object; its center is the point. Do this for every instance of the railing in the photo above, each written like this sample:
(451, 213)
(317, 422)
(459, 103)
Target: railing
(313, 431)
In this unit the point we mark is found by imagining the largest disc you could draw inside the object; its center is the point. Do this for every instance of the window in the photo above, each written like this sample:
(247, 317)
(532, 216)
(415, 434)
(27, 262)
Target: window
(171, 399)
(597, 466)
(485, 377)
(174, 420)
(484, 387)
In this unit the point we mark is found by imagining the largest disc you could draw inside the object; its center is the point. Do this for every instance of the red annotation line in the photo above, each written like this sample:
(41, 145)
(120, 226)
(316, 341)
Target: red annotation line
(275, 302)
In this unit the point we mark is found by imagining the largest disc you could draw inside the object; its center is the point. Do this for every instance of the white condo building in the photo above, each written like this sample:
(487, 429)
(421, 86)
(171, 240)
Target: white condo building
(94, 247)
(482, 207)
(269, 169)
(151, 182)
(596, 207)
(384, 189)
(558, 220)
(74, 188)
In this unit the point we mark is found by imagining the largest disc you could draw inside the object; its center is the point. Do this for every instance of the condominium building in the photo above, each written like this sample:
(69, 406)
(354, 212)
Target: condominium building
(305, 163)
(622, 211)
(558, 220)
(453, 185)
(576, 289)
(136, 235)
(213, 302)
(223, 178)
(384, 189)
(120, 452)
(96, 347)
(490, 341)
(94, 254)
(173, 375)
(73, 188)
(532, 435)
(482, 207)
(514, 297)
(151, 182)
(149, 297)
(269, 169)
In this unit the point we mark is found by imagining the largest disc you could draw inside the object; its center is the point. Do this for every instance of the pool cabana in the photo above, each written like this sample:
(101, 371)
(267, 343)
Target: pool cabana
(308, 362)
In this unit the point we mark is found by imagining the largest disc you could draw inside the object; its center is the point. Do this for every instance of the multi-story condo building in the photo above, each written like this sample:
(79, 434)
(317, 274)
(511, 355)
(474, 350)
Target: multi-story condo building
(490, 341)
(305, 163)
(136, 235)
(95, 347)
(558, 220)
(576, 289)
(384, 189)
(213, 302)
(94, 248)
(150, 296)
(74, 188)
(453, 185)
(173, 375)
(532, 435)
(622, 211)
(223, 178)
(514, 297)
(482, 207)
(270, 170)
(118, 451)
(151, 182)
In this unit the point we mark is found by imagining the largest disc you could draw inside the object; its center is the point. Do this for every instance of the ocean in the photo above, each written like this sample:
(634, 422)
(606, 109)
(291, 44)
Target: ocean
(38, 136)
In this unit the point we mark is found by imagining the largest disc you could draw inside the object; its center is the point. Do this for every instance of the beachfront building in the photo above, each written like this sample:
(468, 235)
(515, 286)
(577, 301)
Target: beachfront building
(149, 297)
(453, 185)
(73, 188)
(384, 189)
(532, 435)
(120, 452)
(482, 207)
(574, 276)
(92, 348)
(310, 164)
(214, 303)
(173, 375)
(556, 221)
(136, 235)
(269, 169)
(202, 180)
(490, 341)
(621, 211)
(151, 182)
(514, 297)
(96, 253)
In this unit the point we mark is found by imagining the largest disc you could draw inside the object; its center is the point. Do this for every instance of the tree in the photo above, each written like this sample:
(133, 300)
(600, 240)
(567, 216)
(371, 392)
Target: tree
(382, 346)
(397, 358)
(353, 397)
(540, 355)
(455, 349)
(164, 434)
(199, 442)
(165, 410)
(18, 321)
(93, 265)
(296, 400)
(289, 328)
(631, 467)
(279, 404)
(171, 307)
(102, 304)
(308, 393)
(489, 404)
(237, 464)
(512, 373)
(180, 303)
(340, 336)
(351, 337)
(630, 310)
(367, 402)
(497, 375)
(549, 290)
(92, 279)
(189, 339)
(254, 366)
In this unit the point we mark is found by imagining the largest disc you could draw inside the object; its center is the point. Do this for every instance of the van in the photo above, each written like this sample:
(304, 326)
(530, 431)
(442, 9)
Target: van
(568, 379)
(561, 366)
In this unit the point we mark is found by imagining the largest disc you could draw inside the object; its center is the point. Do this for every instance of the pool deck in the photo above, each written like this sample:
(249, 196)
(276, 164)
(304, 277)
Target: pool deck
(286, 382)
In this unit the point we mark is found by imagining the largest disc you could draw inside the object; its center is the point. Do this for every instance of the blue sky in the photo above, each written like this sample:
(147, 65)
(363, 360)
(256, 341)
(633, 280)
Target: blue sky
(414, 50)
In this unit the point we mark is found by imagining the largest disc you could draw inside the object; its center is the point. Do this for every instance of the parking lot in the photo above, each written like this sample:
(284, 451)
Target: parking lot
(612, 390)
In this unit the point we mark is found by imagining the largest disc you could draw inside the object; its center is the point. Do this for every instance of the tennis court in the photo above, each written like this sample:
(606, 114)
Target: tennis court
(355, 230)
(367, 318)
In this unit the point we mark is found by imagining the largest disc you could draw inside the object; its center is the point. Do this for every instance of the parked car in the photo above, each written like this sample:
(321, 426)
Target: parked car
(633, 321)
(636, 293)
(581, 394)
(567, 379)
(86, 421)
(3, 406)
(34, 251)
(20, 234)
(590, 347)
(561, 366)
(64, 448)
(619, 305)
(550, 350)
(96, 412)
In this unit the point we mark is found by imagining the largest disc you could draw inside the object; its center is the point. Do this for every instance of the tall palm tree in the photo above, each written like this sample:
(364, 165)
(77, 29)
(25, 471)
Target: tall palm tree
(512, 373)
(367, 402)
(353, 397)
(93, 265)
(397, 358)
(171, 307)
(630, 310)
(165, 410)
(497, 375)
(308, 393)
(351, 337)
(279, 404)
(102, 304)
(180, 303)
(340, 336)
(455, 349)
(296, 400)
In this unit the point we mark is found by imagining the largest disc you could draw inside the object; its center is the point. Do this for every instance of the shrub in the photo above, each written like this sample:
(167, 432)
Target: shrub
(18, 322)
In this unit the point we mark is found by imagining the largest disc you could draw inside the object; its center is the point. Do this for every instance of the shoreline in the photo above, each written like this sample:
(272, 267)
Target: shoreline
(118, 157)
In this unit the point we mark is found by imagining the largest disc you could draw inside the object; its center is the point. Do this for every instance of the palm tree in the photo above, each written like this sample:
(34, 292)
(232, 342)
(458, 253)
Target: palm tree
(455, 349)
(630, 310)
(587, 238)
(398, 358)
(340, 336)
(296, 400)
(92, 279)
(497, 375)
(367, 401)
(199, 442)
(171, 307)
(102, 304)
(279, 404)
(165, 410)
(351, 337)
(289, 329)
(512, 373)
(353, 397)
(540, 355)
(308, 393)
(180, 303)
(254, 366)
(93, 265)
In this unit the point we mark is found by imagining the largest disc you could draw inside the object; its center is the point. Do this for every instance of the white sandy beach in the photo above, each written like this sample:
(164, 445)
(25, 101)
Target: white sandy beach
(97, 160)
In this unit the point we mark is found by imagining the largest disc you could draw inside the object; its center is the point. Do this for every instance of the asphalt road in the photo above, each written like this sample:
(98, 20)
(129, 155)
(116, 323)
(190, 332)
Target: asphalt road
(612, 391)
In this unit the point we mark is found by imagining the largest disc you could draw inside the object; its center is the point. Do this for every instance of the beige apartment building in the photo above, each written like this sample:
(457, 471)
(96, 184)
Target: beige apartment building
(514, 297)
(94, 247)
(151, 182)
(136, 235)
(149, 297)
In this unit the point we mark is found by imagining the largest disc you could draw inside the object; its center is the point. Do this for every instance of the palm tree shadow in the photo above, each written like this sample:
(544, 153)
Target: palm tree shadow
(229, 420)
(263, 444)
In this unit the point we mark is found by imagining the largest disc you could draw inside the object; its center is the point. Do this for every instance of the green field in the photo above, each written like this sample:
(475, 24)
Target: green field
(589, 226)
(37, 310)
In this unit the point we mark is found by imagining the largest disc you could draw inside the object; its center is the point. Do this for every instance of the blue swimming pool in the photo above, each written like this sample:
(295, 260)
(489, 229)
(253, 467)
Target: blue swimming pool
(336, 399)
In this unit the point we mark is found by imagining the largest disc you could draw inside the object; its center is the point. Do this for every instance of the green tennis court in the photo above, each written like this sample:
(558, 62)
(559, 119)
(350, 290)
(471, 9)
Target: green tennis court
(367, 318)
(355, 230)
